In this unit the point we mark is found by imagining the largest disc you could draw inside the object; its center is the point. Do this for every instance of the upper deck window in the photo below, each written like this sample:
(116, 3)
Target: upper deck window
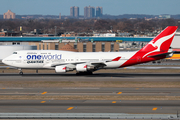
(14, 52)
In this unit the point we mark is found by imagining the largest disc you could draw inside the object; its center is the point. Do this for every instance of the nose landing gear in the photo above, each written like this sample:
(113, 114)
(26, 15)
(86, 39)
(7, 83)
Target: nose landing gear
(20, 72)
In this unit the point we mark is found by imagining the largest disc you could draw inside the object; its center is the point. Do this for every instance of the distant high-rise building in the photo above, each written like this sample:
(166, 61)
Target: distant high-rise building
(89, 12)
(85, 12)
(99, 11)
(74, 11)
(92, 12)
(9, 15)
(59, 15)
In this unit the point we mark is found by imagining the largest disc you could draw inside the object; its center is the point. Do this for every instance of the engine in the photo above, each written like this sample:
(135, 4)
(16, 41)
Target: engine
(84, 67)
(62, 69)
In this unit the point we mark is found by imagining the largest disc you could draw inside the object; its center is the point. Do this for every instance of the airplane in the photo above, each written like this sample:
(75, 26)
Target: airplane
(88, 62)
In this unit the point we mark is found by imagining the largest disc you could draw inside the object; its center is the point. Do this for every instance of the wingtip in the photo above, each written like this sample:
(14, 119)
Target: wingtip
(116, 59)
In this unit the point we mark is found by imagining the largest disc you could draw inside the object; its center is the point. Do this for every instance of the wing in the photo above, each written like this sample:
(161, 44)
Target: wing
(91, 65)
(95, 63)
(98, 64)
(58, 64)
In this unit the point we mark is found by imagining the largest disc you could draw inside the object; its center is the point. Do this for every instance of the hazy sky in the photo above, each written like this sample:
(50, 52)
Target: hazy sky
(113, 7)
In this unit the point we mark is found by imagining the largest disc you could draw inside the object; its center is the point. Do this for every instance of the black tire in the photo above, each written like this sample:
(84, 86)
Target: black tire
(158, 61)
(21, 73)
(153, 61)
(84, 73)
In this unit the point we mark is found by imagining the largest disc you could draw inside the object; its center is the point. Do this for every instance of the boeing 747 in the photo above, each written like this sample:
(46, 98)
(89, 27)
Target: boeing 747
(88, 62)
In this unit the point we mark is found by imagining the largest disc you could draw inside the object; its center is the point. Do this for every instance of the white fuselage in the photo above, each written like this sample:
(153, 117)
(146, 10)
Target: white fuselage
(39, 59)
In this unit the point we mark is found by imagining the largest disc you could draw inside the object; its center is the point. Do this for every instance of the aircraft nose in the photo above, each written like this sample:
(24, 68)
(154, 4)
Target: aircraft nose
(3, 61)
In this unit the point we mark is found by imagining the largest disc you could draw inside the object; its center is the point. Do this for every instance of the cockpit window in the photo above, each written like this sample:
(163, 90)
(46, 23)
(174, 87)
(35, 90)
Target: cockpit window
(14, 52)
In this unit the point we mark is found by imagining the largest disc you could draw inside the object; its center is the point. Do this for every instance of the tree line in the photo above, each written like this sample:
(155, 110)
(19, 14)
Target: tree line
(48, 26)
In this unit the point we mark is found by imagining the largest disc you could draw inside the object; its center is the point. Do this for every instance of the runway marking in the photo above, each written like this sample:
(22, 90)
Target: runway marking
(43, 93)
(113, 101)
(43, 101)
(70, 108)
(154, 109)
(119, 93)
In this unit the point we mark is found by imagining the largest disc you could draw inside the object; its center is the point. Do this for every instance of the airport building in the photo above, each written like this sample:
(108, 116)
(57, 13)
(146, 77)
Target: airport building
(85, 44)
(7, 50)
(82, 44)
(79, 46)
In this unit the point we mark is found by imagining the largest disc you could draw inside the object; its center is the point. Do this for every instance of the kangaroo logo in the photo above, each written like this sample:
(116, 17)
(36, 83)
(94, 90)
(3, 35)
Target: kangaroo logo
(155, 46)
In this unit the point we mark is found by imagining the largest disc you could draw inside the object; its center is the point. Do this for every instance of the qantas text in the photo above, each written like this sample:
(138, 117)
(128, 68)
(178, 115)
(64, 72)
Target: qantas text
(47, 57)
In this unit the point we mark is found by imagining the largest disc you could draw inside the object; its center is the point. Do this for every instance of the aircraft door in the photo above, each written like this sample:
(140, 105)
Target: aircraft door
(101, 58)
(76, 59)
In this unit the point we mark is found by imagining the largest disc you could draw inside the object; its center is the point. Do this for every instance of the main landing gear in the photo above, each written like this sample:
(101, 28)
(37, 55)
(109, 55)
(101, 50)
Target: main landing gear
(20, 72)
(84, 73)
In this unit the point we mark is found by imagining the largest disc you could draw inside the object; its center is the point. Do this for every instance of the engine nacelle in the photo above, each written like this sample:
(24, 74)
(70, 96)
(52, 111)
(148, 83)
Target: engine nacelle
(63, 69)
(83, 67)
(60, 69)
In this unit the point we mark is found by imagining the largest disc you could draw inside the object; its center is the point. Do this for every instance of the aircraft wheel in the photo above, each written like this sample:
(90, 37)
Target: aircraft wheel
(84, 73)
(21, 73)
(89, 73)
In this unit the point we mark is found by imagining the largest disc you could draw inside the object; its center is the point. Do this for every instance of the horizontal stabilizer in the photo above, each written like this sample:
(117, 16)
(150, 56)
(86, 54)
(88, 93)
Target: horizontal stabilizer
(159, 55)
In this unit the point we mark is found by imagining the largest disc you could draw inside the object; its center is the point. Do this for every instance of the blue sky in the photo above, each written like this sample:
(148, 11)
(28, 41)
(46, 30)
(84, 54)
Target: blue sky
(112, 7)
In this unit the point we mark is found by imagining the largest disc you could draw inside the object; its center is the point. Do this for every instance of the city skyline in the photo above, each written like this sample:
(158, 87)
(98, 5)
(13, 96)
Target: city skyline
(89, 11)
(111, 7)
